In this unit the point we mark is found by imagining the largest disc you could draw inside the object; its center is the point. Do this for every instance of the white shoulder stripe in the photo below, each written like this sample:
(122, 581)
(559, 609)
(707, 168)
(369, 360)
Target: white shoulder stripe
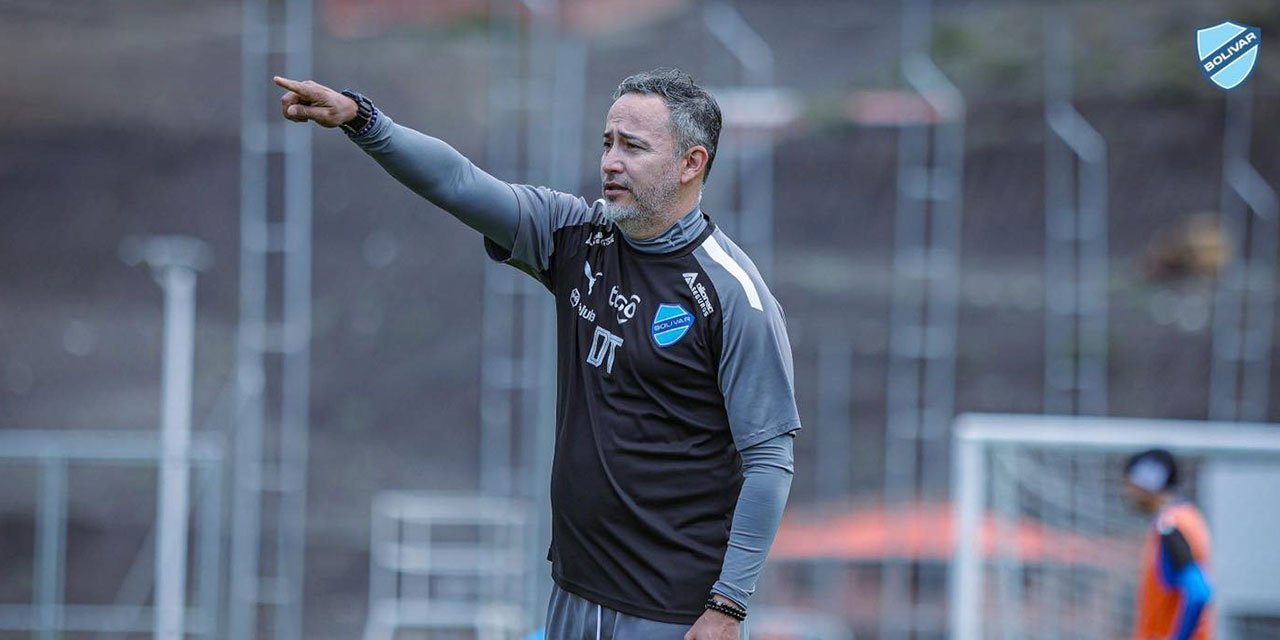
(718, 254)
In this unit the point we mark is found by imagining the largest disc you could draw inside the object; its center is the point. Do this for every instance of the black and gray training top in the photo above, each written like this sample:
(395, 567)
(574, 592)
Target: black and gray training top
(670, 364)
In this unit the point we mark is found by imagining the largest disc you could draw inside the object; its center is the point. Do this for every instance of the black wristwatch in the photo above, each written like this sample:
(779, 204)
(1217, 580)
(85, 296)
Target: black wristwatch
(366, 114)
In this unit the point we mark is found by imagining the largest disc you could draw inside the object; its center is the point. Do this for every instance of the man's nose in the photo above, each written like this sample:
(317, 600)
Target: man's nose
(610, 163)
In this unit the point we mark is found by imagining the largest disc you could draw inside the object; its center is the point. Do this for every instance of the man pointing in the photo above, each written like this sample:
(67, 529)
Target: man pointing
(675, 409)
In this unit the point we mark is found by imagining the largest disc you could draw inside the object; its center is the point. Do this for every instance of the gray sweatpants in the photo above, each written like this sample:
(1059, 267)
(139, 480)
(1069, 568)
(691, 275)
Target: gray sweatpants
(570, 617)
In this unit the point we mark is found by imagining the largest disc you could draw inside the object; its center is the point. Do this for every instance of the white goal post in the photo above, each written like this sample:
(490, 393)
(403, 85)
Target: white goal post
(979, 439)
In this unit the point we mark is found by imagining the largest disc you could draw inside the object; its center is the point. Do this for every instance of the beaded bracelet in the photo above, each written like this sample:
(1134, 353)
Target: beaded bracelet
(727, 609)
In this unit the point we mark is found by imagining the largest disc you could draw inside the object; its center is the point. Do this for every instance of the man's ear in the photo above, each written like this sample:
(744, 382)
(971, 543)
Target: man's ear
(693, 163)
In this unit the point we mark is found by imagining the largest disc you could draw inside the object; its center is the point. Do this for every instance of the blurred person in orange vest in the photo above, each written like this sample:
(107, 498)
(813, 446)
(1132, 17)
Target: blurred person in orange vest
(1173, 586)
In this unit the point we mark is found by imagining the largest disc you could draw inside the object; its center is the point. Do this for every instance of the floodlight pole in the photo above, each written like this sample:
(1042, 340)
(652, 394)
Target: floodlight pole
(539, 103)
(1244, 298)
(269, 487)
(1075, 334)
(754, 183)
(1075, 240)
(179, 285)
(834, 441)
(174, 261)
(920, 388)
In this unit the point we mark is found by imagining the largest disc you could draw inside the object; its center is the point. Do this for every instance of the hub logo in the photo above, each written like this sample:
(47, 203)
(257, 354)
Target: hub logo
(670, 324)
(1228, 52)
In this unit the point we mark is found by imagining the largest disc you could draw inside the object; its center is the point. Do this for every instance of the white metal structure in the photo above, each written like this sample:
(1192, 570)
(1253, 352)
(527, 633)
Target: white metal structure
(1244, 299)
(447, 562)
(1075, 221)
(834, 444)
(272, 402)
(1004, 542)
(513, 304)
(1075, 267)
(535, 105)
(55, 453)
(747, 140)
(920, 389)
(174, 261)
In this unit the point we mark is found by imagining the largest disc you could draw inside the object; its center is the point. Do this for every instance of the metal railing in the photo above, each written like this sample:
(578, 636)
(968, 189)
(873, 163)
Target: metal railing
(54, 452)
(448, 562)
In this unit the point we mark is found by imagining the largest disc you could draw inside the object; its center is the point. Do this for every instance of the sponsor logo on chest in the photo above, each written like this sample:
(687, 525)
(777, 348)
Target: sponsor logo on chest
(622, 303)
(599, 239)
(699, 294)
(575, 301)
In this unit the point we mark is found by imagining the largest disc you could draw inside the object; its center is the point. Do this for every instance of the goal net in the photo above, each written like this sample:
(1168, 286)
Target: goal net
(1047, 545)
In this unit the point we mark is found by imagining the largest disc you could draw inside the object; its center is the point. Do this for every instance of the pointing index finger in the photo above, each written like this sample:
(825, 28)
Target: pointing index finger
(291, 85)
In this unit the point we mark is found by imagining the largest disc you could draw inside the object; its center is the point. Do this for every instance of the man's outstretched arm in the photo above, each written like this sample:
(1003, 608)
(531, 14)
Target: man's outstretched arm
(426, 165)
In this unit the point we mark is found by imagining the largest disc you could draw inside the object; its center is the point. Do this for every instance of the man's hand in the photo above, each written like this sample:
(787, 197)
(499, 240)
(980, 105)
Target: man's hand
(313, 101)
(713, 625)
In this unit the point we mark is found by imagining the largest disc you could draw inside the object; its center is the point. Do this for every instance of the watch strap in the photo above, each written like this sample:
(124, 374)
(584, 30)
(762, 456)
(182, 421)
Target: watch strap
(366, 114)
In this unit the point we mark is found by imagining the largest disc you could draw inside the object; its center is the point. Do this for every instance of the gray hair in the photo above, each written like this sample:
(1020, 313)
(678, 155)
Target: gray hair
(695, 116)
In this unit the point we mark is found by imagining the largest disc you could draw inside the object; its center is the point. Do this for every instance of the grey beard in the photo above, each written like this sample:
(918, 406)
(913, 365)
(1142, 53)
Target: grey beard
(634, 221)
(617, 213)
(640, 216)
(650, 207)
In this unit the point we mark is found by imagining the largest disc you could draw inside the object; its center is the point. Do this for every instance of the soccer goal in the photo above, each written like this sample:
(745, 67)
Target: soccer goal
(1046, 545)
